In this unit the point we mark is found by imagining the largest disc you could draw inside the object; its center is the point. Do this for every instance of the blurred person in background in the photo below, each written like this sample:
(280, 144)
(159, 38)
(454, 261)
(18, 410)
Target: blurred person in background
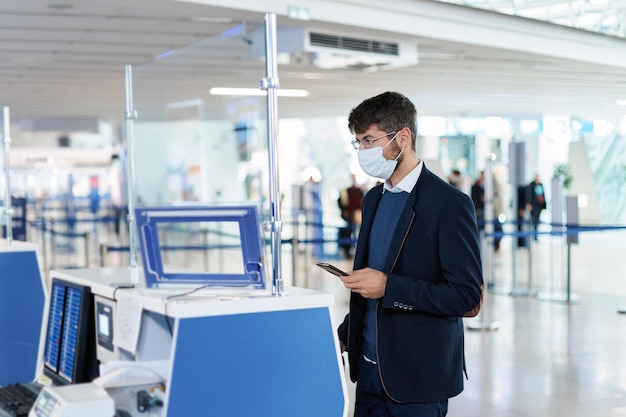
(537, 201)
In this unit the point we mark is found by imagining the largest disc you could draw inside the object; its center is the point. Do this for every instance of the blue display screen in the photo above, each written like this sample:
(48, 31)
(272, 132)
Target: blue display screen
(66, 334)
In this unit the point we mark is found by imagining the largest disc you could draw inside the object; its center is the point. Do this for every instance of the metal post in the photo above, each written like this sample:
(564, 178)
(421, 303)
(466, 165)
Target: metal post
(87, 249)
(8, 212)
(563, 222)
(514, 204)
(489, 213)
(529, 227)
(530, 252)
(568, 291)
(104, 250)
(517, 152)
(130, 115)
(205, 243)
(487, 255)
(294, 241)
(44, 243)
(270, 84)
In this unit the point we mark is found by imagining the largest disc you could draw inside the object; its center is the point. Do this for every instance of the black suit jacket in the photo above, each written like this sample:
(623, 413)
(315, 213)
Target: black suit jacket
(434, 277)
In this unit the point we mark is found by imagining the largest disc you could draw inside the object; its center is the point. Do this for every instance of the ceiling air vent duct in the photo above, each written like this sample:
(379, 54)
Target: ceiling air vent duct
(333, 51)
(354, 44)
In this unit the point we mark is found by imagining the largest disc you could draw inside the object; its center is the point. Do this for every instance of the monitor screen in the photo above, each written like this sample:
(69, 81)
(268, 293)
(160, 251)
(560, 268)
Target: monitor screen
(67, 354)
(228, 240)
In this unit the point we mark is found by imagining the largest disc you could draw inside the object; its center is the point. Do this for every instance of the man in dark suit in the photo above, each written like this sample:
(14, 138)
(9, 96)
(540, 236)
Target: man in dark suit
(417, 271)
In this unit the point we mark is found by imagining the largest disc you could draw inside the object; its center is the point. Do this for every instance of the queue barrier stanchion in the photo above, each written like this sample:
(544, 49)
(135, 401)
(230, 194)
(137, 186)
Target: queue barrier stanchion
(487, 239)
(104, 250)
(516, 236)
(68, 235)
(526, 235)
(574, 230)
(570, 234)
(479, 323)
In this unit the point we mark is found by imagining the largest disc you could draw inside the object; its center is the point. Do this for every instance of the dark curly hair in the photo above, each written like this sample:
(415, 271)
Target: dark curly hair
(391, 111)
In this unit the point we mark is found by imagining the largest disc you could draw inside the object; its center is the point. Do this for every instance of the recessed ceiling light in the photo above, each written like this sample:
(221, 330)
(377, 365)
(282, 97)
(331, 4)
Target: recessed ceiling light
(210, 19)
(60, 6)
(283, 92)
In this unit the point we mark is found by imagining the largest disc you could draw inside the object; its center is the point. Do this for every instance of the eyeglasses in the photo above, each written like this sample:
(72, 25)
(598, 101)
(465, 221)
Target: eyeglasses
(367, 143)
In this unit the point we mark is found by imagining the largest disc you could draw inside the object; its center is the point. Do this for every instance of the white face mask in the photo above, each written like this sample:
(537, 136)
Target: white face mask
(374, 163)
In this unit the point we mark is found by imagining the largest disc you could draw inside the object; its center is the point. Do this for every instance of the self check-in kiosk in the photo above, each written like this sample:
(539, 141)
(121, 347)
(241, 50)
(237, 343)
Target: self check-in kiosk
(216, 343)
(178, 339)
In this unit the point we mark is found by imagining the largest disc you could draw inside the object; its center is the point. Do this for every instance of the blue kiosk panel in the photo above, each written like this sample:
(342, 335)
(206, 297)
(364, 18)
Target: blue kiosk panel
(280, 363)
(22, 301)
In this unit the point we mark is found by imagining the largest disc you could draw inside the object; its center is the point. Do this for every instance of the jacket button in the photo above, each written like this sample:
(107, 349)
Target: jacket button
(395, 304)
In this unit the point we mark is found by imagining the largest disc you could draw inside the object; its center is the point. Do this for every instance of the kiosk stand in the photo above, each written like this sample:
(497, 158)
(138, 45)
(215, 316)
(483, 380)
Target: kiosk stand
(21, 311)
(231, 355)
(21, 293)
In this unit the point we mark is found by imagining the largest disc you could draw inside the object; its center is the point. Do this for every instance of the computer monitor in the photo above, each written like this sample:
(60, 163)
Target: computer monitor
(69, 357)
(233, 247)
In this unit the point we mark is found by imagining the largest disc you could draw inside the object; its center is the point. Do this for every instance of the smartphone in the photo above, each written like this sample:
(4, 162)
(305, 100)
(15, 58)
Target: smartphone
(331, 268)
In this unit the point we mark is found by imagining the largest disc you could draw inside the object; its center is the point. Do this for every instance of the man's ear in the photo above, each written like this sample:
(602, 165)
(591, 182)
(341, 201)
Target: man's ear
(404, 136)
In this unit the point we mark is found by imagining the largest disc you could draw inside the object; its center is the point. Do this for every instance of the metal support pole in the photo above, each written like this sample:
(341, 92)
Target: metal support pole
(513, 180)
(44, 244)
(530, 256)
(87, 250)
(130, 115)
(489, 217)
(104, 250)
(487, 246)
(8, 212)
(527, 229)
(568, 291)
(205, 252)
(567, 296)
(560, 201)
(270, 84)
(294, 242)
(517, 152)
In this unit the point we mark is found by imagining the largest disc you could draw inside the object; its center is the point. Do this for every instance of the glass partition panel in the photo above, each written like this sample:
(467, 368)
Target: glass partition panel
(190, 144)
(193, 143)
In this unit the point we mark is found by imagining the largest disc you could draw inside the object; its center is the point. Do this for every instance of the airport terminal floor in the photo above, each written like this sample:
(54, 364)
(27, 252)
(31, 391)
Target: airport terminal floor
(546, 358)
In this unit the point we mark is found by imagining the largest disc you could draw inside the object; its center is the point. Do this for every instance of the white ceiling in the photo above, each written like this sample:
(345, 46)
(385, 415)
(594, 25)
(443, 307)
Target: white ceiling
(603, 16)
(66, 58)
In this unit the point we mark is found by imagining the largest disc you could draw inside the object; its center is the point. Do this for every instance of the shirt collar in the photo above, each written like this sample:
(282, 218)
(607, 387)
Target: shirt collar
(407, 183)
